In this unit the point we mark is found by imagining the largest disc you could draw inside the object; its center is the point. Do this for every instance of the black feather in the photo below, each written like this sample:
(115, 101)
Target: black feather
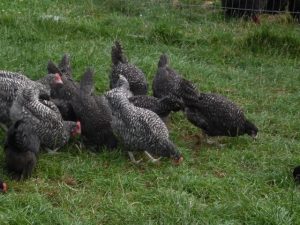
(21, 150)
(162, 107)
(168, 82)
(218, 116)
(65, 65)
(52, 68)
(91, 110)
(163, 61)
(87, 82)
(117, 54)
(136, 78)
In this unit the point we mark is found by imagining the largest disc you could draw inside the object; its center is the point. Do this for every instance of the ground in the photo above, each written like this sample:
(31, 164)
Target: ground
(257, 66)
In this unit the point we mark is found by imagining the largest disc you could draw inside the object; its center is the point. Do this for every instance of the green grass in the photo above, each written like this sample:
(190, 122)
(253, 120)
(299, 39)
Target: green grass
(246, 182)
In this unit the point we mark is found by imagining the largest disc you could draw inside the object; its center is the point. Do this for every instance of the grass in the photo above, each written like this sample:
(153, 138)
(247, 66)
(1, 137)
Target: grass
(246, 182)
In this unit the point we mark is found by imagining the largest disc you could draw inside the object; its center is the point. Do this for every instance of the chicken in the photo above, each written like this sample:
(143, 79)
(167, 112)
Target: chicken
(217, 115)
(79, 102)
(135, 77)
(21, 150)
(44, 118)
(3, 187)
(140, 129)
(11, 82)
(167, 82)
(94, 114)
(60, 96)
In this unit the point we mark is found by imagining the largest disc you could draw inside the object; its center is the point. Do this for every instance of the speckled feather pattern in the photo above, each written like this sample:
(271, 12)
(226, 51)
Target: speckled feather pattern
(12, 75)
(139, 129)
(8, 92)
(136, 78)
(166, 80)
(43, 116)
(11, 82)
(217, 116)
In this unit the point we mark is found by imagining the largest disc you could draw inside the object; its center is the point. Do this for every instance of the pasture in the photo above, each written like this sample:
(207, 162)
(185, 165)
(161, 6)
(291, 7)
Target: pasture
(244, 182)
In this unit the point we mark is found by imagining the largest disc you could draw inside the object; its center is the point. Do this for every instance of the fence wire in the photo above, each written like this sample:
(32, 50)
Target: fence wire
(213, 8)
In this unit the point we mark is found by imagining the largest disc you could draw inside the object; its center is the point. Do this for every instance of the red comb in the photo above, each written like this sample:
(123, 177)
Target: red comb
(78, 127)
(57, 79)
(4, 185)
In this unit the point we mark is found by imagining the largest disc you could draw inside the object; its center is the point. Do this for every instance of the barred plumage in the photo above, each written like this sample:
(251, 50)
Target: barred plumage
(135, 77)
(215, 114)
(11, 82)
(218, 116)
(44, 118)
(168, 82)
(139, 129)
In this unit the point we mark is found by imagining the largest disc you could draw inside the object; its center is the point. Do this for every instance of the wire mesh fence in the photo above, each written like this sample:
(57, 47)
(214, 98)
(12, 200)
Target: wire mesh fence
(213, 8)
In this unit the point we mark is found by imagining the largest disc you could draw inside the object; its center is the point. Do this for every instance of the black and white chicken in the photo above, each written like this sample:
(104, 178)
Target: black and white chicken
(11, 82)
(140, 129)
(44, 117)
(136, 78)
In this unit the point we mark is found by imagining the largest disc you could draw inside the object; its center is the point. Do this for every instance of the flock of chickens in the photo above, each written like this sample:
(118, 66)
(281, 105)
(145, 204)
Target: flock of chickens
(47, 112)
